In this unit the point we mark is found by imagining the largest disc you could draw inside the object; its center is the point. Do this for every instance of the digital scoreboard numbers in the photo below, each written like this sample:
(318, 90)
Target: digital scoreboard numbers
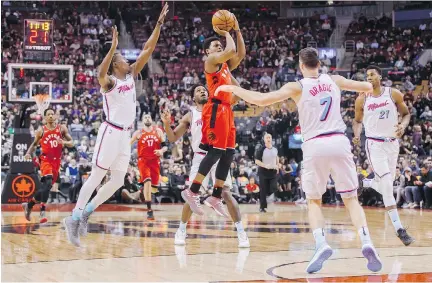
(38, 40)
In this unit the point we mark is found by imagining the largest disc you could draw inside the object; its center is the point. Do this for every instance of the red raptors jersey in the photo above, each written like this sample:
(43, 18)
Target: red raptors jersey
(214, 80)
(50, 147)
(148, 143)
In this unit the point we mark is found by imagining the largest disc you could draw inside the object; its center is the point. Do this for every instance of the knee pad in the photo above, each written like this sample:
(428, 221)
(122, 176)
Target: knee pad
(224, 164)
(386, 188)
(209, 160)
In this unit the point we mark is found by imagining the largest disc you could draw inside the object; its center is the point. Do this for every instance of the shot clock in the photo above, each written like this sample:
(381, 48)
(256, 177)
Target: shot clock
(38, 40)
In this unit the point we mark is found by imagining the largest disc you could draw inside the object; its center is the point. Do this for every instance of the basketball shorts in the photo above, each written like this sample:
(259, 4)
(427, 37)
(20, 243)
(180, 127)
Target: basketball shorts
(196, 161)
(149, 170)
(112, 148)
(325, 156)
(218, 129)
(382, 156)
(50, 168)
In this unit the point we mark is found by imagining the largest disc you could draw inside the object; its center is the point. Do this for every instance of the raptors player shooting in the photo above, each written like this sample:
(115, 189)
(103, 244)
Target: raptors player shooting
(218, 130)
(378, 111)
(193, 120)
(51, 137)
(150, 140)
(326, 149)
(112, 149)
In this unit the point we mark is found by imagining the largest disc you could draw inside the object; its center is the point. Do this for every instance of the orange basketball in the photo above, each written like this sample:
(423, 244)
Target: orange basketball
(224, 20)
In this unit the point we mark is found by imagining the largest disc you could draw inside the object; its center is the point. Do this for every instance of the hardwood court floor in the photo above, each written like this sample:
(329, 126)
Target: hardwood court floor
(123, 246)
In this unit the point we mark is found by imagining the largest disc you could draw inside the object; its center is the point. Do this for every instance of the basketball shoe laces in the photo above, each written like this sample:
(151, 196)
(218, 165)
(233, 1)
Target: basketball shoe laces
(197, 200)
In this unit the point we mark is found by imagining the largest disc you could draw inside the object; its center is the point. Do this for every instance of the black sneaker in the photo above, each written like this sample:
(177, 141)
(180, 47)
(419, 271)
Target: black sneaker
(404, 237)
(150, 215)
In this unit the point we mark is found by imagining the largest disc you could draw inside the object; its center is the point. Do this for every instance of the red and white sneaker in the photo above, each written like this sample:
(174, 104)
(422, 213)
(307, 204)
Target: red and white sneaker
(217, 205)
(193, 200)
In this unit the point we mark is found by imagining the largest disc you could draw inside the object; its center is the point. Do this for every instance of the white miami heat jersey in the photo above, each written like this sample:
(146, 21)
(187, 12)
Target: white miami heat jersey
(119, 103)
(196, 126)
(380, 115)
(319, 107)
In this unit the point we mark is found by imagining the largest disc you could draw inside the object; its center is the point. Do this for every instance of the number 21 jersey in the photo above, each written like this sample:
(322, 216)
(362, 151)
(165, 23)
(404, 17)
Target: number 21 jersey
(148, 143)
(380, 115)
(319, 107)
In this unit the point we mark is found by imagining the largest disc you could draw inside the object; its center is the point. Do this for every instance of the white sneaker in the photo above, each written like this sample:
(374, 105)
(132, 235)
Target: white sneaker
(406, 205)
(180, 238)
(374, 262)
(303, 202)
(243, 240)
(299, 200)
(321, 255)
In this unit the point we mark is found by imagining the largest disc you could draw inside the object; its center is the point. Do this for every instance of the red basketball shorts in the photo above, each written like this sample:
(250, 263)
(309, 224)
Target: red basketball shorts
(218, 130)
(149, 170)
(50, 167)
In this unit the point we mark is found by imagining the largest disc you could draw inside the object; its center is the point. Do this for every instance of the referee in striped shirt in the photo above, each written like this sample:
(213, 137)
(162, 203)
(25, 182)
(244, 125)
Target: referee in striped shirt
(267, 159)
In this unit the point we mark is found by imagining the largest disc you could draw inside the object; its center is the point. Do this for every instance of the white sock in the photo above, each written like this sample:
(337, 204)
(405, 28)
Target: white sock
(394, 216)
(107, 190)
(239, 226)
(183, 226)
(364, 235)
(319, 237)
(89, 186)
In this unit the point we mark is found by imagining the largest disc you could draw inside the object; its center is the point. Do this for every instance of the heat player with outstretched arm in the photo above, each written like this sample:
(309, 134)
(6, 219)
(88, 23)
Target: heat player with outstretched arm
(112, 149)
(51, 137)
(326, 149)
(151, 146)
(218, 129)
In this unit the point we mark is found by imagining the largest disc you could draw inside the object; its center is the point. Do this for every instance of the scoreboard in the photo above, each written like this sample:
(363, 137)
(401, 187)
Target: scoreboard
(38, 40)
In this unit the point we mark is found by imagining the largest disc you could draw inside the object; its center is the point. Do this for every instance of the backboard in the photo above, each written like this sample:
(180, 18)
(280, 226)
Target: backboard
(27, 80)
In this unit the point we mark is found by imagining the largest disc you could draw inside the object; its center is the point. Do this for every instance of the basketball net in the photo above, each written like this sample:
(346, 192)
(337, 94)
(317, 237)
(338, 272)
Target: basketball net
(42, 102)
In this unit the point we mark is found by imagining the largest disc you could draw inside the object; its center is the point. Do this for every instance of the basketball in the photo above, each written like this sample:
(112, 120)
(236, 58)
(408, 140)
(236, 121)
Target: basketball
(224, 20)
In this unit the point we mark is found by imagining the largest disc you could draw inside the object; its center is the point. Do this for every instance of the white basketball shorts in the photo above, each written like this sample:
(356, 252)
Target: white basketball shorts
(325, 156)
(196, 161)
(382, 156)
(112, 149)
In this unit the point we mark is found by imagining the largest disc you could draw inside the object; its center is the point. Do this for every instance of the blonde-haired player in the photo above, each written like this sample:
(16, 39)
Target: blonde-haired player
(326, 149)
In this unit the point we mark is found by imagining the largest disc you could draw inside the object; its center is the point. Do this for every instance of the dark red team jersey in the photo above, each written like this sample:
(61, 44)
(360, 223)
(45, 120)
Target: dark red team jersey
(214, 80)
(50, 147)
(148, 143)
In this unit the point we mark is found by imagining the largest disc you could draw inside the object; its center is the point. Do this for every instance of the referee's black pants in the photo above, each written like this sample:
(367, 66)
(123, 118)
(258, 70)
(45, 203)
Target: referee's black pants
(268, 185)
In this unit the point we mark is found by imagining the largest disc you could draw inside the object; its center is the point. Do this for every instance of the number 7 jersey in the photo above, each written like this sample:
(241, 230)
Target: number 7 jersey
(319, 107)
(380, 115)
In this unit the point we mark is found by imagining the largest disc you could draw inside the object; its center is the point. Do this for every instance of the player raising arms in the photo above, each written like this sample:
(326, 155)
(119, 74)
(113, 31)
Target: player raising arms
(379, 111)
(326, 149)
(193, 120)
(218, 130)
(112, 149)
(51, 137)
(150, 140)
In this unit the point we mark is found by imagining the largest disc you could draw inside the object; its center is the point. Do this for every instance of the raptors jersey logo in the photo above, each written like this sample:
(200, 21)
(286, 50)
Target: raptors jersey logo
(214, 80)
(148, 143)
(50, 146)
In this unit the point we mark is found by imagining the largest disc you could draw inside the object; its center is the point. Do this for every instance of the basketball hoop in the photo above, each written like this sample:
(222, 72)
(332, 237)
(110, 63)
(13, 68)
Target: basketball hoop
(42, 102)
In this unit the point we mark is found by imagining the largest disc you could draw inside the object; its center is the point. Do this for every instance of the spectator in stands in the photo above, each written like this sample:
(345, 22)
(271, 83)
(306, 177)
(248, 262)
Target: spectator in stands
(177, 183)
(399, 187)
(425, 184)
(251, 191)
